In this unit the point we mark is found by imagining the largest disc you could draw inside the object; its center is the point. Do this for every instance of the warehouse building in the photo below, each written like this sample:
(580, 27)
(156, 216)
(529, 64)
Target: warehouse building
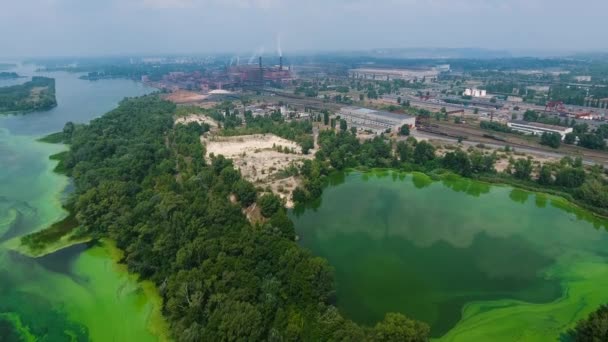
(393, 74)
(536, 128)
(375, 120)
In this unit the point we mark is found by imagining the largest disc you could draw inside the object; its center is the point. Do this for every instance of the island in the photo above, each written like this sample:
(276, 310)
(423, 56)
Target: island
(5, 75)
(37, 94)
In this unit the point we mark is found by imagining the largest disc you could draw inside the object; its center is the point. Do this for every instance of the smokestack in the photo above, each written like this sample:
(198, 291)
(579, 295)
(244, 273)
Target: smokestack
(281, 63)
(261, 72)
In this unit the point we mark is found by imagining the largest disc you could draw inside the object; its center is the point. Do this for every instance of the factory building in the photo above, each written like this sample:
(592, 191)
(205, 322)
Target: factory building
(536, 128)
(375, 120)
(475, 92)
(393, 74)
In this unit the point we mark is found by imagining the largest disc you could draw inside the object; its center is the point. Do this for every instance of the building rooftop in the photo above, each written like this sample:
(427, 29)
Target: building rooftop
(373, 112)
(539, 125)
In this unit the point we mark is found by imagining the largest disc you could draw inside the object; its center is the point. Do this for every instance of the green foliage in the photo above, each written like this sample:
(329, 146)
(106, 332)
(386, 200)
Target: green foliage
(404, 130)
(424, 152)
(553, 140)
(245, 192)
(531, 115)
(544, 176)
(143, 183)
(522, 168)
(298, 131)
(594, 328)
(592, 141)
(405, 151)
(458, 161)
(570, 177)
(398, 328)
(269, 204)
(495, 126)
(570, 138)
(37, 94)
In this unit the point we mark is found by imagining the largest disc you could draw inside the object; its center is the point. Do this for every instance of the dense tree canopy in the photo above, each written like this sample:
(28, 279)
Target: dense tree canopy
(145, 184)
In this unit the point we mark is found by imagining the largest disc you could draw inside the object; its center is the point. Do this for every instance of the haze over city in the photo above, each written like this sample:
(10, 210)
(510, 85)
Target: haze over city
(119, 27)
(303, 170)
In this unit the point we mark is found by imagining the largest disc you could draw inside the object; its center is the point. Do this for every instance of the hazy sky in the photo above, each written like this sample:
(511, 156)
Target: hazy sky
(111, 27)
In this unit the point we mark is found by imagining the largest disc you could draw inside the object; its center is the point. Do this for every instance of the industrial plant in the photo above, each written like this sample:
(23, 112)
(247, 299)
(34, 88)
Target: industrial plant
(376, 121)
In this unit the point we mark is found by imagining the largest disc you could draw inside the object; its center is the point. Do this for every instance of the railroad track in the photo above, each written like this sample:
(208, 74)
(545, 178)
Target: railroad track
(473, 135)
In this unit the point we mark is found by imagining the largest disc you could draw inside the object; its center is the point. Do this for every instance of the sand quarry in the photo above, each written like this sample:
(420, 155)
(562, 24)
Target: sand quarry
(184, 96)
(198, 118)
(257, 158)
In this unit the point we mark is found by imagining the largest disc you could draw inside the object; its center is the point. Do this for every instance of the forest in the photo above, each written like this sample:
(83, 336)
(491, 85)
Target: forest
(145, 184)
(37, 94)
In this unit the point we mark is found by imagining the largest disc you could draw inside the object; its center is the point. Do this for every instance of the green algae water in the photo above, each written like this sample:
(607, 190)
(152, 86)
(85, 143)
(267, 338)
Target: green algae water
(80, 293)
(474, 261)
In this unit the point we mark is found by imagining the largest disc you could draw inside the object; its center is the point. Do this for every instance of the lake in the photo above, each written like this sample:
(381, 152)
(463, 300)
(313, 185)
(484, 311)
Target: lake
(80, 293)
(474, 261)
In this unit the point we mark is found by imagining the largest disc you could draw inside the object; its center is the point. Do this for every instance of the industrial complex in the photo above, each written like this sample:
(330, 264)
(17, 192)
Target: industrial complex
(376, 121)
(394, 74)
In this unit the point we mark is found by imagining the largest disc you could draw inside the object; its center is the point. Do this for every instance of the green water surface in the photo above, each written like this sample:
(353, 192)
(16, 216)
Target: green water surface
(80, 293)
(474, 261)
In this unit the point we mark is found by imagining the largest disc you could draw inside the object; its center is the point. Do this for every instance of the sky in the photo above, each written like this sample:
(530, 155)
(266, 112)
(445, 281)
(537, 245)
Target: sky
(30, 28)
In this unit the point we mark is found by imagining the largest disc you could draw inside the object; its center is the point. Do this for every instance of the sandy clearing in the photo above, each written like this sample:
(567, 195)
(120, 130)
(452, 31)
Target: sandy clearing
(198, 118)
(259, 161)
(184, 96)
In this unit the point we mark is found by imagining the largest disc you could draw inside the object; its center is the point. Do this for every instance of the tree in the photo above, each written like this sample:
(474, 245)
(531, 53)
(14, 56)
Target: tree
(299, 195)
(307, 144)
(594, 328)
(398, 328)
(404, 130)
(544, 176)
(361, 97)
(343, 125)
(399, 100)
(591, 141)
(522, 168)
(551, 139)
(570, 138)
(405, 151)
(325, 118)
(245, 192)
(458, 161)
(424, 152)
(570, 177)
(269, 204)
(530, 115)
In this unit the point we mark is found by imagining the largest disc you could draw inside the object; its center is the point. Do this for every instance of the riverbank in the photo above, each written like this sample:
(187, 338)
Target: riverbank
(65, 292)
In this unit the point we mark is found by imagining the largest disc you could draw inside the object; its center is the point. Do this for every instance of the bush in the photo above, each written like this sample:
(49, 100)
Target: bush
(551, 139)
(245, 192)
(269, 204)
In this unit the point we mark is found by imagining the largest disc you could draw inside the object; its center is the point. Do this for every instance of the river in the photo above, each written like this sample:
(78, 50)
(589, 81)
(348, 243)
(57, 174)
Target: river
(80, 293)
(476, 262)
